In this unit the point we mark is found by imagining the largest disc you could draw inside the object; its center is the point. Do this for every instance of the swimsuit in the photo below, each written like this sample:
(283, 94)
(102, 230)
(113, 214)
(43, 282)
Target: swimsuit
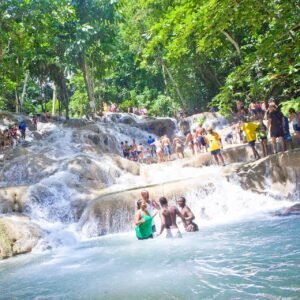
(144, 230)
(173, 233)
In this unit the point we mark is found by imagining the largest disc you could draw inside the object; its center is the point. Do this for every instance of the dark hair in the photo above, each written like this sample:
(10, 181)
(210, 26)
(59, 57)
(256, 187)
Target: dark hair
(163, 201)
(138, 204)
(183, 199)
(292, 110)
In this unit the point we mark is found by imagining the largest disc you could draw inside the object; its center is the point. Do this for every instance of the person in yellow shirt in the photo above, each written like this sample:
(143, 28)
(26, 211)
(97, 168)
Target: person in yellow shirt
(249, 129)
(215, 144)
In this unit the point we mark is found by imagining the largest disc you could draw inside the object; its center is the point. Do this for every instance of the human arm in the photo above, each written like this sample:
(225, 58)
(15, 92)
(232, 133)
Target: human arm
(162, 221)
(180, 215)
(190, 216)
(137, 218)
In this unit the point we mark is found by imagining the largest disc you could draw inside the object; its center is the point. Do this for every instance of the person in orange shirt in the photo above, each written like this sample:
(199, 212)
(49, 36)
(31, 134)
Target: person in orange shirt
(215, 144)
(249, 129)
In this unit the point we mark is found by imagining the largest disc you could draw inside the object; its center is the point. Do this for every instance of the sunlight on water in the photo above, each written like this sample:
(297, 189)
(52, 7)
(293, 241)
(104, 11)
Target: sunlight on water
(241, 261)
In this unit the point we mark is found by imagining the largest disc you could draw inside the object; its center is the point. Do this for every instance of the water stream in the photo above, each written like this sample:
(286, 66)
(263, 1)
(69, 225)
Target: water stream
(89, 250)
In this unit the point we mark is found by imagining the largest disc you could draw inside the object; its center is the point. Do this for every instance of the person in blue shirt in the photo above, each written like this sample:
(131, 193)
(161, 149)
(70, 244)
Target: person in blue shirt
(150, 142)
(22, 128)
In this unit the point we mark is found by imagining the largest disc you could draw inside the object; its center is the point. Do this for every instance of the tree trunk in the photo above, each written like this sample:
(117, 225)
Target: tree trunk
(24, 90)
(17, 101)
(172, 80)
(54, 99)
(87, 81)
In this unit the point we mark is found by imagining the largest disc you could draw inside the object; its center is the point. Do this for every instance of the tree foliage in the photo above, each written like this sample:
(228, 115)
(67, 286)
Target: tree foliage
(161, 55)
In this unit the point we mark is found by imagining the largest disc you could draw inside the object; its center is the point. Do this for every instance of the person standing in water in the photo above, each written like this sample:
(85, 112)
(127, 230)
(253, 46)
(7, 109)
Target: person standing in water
(188, 215)
(215, 145)
(143, 221)
(189, 141)
(168, 219)
(152, 206)
(166, 146)
(178, 147)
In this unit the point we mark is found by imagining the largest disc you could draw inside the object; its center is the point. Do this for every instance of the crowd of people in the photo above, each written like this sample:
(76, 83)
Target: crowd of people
(147, 209)
(12, 135)
(160, 150)
(263, 122)
(258, 123)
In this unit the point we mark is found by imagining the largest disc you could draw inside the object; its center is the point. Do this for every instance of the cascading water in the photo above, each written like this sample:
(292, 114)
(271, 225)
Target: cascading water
(79, 189)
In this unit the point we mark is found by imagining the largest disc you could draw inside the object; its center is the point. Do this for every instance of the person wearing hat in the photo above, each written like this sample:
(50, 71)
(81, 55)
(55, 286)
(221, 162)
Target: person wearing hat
(215, 144)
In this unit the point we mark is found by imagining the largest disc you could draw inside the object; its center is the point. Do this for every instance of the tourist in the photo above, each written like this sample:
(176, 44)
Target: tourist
(133, 149)
(252, 108)
(215, 144)
(159, 150)
(139, 150)
(189, 141)
(195, 141)
(201, 138)
(147, 156)
(166, 146)
(34, 121)
(249, 129)
(187, 214)
(168, 219)
(126, 150)
(295, 119)
(123, 148)
(152, 206)
(143, 221)
(275, 126)
(262, 136)
(287, 136)
(203, 214)
(151, 144)
(179, 148)
(239, 107)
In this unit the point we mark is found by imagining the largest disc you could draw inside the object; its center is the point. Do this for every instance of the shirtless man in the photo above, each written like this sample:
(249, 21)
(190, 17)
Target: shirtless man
(187, 214)
(140, 149)
(166, 147)
(178, 147)
(152, 205)
(168, 219)
(189, 141)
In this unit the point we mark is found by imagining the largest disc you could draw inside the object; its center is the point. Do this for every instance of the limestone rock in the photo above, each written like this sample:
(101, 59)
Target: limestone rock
(17, 235)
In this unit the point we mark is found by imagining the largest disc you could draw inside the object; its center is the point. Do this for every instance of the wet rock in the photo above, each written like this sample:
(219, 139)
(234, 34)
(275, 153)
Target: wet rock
(159, 126)
(17, 235)
(277, 174)
(290, 211)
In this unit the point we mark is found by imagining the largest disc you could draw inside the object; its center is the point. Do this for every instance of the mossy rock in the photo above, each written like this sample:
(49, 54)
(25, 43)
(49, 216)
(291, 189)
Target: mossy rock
(5, 243)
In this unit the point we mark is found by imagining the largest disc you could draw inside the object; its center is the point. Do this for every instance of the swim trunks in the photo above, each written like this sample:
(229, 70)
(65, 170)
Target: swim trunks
(173, 233)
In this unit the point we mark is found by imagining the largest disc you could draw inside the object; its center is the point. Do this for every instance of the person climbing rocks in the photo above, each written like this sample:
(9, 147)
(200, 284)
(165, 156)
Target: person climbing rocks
(262, 136)
(249, 128)
(215, 145)
(22, 128)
